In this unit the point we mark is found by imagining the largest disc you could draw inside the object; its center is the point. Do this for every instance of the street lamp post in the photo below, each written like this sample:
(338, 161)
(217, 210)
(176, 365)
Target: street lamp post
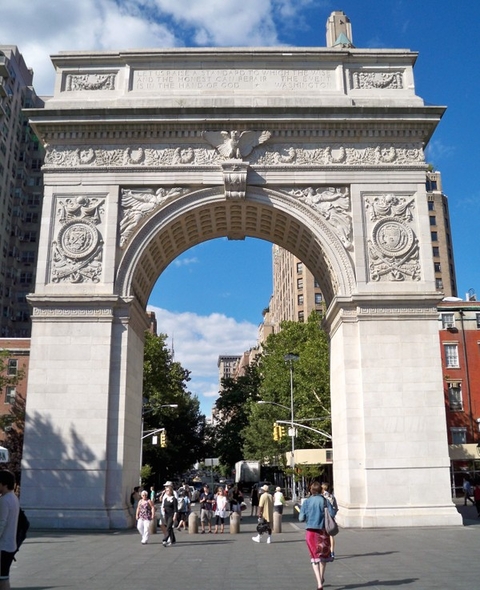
(291, 358)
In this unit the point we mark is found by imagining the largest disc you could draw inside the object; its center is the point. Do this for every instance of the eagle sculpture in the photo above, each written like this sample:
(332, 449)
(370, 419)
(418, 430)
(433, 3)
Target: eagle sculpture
(235, 144)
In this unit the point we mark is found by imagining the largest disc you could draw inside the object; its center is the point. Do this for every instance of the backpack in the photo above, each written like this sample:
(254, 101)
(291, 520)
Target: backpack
(22, 528)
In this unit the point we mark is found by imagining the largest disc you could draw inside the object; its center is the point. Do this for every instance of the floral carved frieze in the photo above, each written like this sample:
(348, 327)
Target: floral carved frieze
(371, 80)
(393, 253)
(275, 155)
(77, 249)
(139, 204)
(333, 204)
(76, 82)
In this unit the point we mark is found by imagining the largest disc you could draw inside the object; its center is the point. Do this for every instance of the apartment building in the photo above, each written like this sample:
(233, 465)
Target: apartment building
(459, 329)
(21, 190)
(442, 245)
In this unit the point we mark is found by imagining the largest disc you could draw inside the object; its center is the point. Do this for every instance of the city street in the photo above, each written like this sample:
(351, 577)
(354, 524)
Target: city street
(410, 559)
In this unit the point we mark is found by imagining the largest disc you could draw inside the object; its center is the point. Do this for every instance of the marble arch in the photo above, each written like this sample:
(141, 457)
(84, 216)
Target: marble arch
(149, 152)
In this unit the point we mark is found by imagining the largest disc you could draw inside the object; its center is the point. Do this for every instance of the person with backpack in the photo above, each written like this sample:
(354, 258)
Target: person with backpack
(9, 511)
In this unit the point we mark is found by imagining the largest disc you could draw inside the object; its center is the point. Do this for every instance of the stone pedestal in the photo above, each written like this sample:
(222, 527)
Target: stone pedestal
(234, 523)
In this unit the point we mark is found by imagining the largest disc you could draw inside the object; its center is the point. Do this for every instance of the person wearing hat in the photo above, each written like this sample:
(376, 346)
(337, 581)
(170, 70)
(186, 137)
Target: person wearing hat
(278, 500)
(207, 501)
(265, 512)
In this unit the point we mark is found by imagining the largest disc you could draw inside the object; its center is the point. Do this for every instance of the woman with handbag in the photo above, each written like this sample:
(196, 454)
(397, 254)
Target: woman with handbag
(312, 513)
(331, 498)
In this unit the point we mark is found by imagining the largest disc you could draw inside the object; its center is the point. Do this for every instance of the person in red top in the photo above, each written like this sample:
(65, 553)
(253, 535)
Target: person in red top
(476, 497)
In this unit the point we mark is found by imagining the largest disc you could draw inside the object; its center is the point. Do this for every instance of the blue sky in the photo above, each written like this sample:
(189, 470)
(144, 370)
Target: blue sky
(211, 298)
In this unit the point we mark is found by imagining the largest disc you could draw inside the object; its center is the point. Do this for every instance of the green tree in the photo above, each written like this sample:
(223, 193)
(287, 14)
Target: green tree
(232, 411)
(13, 423)
(311, 389)
(165, 383)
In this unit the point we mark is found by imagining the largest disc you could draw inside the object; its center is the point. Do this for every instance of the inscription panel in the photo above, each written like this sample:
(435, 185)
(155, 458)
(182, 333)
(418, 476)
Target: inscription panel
(232, 79)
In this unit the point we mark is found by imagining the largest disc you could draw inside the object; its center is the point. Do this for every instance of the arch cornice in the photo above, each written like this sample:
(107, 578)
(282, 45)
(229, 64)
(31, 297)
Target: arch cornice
(266, 213)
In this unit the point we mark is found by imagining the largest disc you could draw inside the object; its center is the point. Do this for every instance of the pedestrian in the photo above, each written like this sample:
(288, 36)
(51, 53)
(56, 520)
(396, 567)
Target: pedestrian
(265, 512)
(206, 508)
(134, 499)
(9, 510)
(170, 511)
(145, 514)
(221, 505)
(153, 495)
(476, 496)
(467, 490)
(183, 508)
(235, 498)
(278, 500)
(254, 500)
(331, 498)
(312, 512)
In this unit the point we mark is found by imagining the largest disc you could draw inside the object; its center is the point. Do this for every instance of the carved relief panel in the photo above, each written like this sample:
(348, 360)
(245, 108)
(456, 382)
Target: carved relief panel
(77, 247)
(392, 245)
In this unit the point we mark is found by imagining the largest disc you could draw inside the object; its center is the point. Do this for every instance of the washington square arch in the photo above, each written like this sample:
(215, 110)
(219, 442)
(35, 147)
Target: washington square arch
(318, 150)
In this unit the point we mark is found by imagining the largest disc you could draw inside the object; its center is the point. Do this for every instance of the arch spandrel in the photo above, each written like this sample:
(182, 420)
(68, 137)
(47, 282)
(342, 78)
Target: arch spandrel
(269, 214)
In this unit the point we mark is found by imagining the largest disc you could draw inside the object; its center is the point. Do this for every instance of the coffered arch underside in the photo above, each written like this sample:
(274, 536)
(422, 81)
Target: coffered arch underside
(205, 214)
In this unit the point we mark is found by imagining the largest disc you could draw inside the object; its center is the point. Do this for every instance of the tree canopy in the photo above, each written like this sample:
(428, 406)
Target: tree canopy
(311, 390)
(165, 383)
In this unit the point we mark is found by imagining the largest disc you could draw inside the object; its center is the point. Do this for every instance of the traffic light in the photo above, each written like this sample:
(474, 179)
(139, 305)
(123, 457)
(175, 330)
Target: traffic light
(281, 432)
(163, 438)
(276, 431)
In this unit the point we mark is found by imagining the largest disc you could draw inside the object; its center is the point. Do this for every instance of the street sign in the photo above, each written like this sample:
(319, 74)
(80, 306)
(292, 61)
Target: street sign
(213, 462)
(3, 455)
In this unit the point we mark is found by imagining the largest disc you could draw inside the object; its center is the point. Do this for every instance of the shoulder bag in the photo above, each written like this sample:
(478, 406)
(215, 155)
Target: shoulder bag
(331, 527)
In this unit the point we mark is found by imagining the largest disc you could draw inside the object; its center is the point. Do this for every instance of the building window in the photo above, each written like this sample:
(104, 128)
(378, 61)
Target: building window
(300, 300)
(433, 220)
(299, 268)
(10, 394)
(301, 316)
(434, 236)
(459, 436)
(448, 320)
(437, 266)
(436, 251)
(316, 284)
(455, 399)
(431, 206)
(12, 367)
(299, 283)
(318, 298)
(439, 284)
(451, 356)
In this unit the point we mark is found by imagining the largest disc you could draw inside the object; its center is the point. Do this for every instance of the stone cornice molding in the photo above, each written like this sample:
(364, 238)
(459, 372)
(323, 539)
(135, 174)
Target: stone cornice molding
(77, 307)
(85, 132)
(365, 307)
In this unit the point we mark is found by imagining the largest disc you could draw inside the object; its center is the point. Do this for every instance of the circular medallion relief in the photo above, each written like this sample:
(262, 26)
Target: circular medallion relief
(78, 239)
(392, 237)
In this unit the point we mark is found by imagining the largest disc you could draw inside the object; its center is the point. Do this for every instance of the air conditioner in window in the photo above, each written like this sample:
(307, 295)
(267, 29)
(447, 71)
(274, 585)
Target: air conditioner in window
(449, 325)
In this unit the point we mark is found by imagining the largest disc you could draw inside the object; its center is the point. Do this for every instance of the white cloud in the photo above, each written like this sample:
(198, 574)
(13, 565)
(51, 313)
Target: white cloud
(185, 261)
(199, 341)
(41, 29)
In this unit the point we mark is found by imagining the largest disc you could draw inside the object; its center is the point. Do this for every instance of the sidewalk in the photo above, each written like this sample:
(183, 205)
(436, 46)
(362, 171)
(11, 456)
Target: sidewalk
(413, 559)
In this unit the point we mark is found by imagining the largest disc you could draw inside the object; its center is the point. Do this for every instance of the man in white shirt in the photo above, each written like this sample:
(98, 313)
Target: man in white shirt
(9, 509)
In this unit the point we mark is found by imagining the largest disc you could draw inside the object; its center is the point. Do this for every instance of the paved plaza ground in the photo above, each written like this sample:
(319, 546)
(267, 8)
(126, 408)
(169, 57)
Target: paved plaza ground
(411, 559)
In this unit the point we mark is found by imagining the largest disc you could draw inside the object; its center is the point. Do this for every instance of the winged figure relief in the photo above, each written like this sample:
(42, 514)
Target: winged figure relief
(235, 144)
(137, 204)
